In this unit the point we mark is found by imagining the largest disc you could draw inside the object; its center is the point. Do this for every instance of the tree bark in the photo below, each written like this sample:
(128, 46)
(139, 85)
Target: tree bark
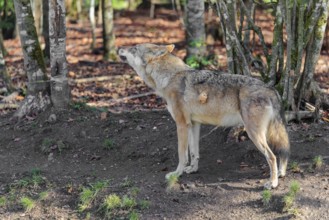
(4, 74)
(92, 22)
(108, 33)
(60, 92)
(38, 85)
(195, 28)
(45, 29)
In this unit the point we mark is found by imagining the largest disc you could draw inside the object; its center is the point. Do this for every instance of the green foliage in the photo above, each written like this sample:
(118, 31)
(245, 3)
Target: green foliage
(88, 194)
(108, 144)
(172, 181)
(318, 161)
(289, 199)
(3, 201)
(111, 202)
(43, 195)
(78, 105)
(294, 167)
(197, 62)
(133, 215)
(128, 203)
(27, 203)
(144, 204)
(197, 43)
(266, 197)
(34, 179)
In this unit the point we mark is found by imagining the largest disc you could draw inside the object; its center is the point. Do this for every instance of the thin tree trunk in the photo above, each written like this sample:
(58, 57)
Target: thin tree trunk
(100, 12)
(37, 14)
(45, 29)
(195, 28)
(4, 74)
(60, 93)
(92, 22)
(38, 85)
(108, 32)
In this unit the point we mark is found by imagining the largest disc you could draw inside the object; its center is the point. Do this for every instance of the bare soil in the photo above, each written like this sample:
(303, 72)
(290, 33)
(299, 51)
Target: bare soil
(228, 185)
(135, 147)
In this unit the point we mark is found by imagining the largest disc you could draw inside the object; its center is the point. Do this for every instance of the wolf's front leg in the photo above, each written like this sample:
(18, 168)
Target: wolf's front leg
(193, 141)
(182, 133)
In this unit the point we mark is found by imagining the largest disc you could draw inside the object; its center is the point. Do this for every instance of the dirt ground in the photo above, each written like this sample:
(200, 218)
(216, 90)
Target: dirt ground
(131, 144)
(69, 150)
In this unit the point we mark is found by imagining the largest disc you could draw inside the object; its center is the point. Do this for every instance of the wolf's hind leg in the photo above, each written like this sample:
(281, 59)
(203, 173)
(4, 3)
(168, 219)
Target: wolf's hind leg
(259, 140)
(193, 141)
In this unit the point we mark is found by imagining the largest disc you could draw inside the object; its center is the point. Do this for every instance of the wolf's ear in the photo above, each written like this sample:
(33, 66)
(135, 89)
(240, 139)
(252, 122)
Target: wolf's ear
(170, 47)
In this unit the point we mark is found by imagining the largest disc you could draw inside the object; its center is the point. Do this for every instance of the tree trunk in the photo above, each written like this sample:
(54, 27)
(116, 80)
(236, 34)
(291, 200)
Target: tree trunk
(38, 86)
(45, 29)
(92, 22)
(4, 74)
(37, 14)
(195, 29)
(108, 33)
(60, 93)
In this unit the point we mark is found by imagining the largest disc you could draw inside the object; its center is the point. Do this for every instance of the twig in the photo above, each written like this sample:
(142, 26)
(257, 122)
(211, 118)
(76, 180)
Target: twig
(98, 78)
(212, 130)
(8, 106)
(132, 97)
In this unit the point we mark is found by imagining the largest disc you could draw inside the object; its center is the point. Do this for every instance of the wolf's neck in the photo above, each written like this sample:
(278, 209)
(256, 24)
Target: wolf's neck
(160, 71)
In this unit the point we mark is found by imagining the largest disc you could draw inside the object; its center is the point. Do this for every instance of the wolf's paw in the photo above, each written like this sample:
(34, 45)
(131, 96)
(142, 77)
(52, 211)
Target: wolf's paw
(271, 185)
(282, 173)
(191, 169)
(175, 173)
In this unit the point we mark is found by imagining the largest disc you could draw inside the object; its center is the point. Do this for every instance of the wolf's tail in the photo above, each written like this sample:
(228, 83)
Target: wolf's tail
(277, 137)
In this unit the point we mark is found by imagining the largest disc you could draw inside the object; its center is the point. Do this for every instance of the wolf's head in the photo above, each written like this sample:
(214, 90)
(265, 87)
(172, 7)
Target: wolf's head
(140, 55)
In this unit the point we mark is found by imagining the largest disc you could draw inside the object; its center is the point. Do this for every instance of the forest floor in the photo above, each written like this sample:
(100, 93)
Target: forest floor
(107, 156)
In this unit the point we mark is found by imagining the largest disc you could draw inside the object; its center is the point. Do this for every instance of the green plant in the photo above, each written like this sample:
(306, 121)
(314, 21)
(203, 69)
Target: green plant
(128, 203)
(43, 195)
(288, 200)
(127, 182)
(198, 61)
(134, 191)
(294, 188)
(144, 204)
(111, 202)
(172, 181)
(3, 201)
(133, 215)
(294, 167)
(266, 197)
(318, 161)
(88, 194)
(78, 105)
(108, 144)
(27, 203)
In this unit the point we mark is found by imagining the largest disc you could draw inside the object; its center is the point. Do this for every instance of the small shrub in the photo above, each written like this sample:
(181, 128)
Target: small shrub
(108, 144)
(144, 204)
(266, 197)
(111, 202)
(133, 215)
(3, 201)
(294, 167)
(27, 203)
(172, 181)
(318, 162)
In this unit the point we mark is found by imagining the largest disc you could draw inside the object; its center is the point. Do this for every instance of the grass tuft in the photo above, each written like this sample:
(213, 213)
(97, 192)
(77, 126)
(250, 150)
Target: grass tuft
(27, 203)
(172, 181)
(266, 197)
(318, 162)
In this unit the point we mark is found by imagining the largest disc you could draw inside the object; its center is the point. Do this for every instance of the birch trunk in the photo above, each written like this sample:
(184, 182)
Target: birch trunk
(195, 28)
(108, 33)
(45, 29)
(92, 22)
(60, 93)
(37, 86)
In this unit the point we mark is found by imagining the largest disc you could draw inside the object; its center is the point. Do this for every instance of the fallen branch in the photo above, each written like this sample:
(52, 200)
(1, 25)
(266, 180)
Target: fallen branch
(98, 78)
(8, 106)
(291, 115)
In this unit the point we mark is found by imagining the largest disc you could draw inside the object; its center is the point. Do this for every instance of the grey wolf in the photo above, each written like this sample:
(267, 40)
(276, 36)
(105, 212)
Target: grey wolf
(197, 97)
